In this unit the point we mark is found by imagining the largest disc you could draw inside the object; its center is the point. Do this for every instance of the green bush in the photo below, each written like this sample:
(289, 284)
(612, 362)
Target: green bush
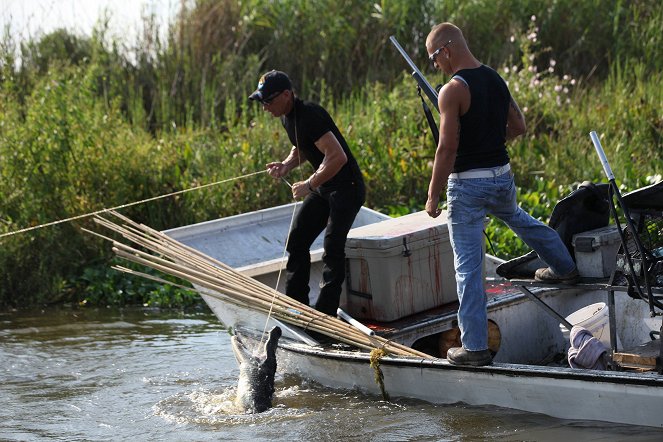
(85, 125)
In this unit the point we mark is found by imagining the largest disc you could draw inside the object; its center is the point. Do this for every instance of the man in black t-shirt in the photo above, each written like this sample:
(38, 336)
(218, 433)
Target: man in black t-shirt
(333, 194)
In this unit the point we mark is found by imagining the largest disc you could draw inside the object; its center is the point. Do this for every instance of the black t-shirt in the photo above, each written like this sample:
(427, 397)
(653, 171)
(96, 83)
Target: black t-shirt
(305, 124)
(482, 141)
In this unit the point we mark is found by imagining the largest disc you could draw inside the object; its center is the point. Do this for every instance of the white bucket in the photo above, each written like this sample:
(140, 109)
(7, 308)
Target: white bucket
(594, 318)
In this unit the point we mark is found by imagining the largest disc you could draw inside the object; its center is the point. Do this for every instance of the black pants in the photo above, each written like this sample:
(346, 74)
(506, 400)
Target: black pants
(336, 210)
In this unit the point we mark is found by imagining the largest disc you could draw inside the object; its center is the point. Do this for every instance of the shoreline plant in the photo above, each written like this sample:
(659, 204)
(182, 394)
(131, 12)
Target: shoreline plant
(85, 125)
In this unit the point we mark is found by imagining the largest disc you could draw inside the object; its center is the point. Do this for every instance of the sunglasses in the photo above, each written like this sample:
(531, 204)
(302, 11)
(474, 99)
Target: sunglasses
(271, 98)
(434, 55)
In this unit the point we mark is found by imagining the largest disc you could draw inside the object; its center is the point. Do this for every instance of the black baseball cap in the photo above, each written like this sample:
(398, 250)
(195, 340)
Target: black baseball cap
(270, 85)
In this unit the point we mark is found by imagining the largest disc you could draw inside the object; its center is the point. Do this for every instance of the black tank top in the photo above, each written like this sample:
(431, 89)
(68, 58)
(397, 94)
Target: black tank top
(483, 127)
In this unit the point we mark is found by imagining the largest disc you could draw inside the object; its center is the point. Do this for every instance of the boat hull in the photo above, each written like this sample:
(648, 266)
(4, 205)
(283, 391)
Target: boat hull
(627, 398)
(620, 397)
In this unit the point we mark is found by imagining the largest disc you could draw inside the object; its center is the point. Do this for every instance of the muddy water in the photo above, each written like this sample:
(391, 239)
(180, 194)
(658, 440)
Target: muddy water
(146, 375)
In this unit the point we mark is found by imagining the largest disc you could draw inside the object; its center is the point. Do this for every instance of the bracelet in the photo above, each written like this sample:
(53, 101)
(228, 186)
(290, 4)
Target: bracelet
(308, 184)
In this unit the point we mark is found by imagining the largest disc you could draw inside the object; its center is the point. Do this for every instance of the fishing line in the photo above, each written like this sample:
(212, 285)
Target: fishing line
(278, 277)
(286, 181)
(179, 192)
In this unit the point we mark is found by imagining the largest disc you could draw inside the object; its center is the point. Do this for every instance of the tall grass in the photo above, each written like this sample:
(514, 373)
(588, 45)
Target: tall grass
(85, 125)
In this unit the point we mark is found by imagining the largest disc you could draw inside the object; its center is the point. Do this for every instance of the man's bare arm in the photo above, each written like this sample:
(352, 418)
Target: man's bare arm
(281, 169)
(450, 101)
(335, 158)
(515, 122)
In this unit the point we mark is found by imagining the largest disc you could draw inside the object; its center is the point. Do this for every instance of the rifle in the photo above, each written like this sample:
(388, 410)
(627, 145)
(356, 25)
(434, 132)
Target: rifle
(422, 83)
(416, 73)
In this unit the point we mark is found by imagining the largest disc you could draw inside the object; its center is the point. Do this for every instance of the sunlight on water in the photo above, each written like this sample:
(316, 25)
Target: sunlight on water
(205, 407)
(200, 407)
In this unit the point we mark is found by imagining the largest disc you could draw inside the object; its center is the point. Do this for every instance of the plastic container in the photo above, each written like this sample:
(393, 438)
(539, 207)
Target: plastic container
(595, 319)
(596, 251)
(399, 267)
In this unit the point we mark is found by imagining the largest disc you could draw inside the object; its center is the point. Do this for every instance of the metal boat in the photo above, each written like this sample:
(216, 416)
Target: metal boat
(385, 259)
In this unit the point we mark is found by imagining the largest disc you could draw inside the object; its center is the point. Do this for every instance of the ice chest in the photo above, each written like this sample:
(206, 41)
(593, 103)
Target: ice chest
(398, 267)
(596, 251)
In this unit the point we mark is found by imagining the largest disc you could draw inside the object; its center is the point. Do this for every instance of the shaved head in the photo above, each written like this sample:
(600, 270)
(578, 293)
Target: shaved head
(441, 33)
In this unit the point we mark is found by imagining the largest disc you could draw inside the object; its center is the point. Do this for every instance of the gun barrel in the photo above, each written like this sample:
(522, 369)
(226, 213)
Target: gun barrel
(416, 73)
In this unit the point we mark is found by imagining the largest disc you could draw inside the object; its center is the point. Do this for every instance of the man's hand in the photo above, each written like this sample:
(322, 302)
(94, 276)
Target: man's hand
(300, 189)
(432, 206)
(277, 170)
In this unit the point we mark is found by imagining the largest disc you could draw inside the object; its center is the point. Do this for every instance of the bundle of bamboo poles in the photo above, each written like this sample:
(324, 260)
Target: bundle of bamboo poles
(163, 253)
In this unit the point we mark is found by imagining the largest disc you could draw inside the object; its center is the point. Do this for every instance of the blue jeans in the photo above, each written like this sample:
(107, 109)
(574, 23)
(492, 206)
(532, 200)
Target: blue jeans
(468, 203)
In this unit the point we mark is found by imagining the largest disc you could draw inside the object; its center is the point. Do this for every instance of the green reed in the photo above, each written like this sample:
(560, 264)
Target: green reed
(86, 126)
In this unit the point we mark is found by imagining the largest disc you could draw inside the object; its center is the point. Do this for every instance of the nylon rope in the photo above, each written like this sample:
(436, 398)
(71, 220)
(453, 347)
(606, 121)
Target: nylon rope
(179, 192)
(376, 355)
(278, 277)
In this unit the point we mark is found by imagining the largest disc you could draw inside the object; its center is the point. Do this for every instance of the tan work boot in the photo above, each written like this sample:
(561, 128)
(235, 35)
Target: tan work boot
(547, 275)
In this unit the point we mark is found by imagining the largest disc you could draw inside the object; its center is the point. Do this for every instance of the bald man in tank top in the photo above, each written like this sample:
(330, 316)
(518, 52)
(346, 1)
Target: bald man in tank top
(477, 117)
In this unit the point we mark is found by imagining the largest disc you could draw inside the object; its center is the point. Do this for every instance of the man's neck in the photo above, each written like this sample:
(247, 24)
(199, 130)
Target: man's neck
(466, 62)
(291, 105)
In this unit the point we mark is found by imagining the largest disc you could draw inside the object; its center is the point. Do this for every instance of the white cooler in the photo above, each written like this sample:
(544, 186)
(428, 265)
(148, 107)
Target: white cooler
(399, 267)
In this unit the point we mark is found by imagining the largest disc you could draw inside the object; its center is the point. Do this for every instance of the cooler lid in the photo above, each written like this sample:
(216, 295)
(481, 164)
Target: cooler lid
(390, 233)
(597, 237)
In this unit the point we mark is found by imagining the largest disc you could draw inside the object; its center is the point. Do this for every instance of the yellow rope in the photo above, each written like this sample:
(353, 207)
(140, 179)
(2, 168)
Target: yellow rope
(376, 355)
(73, 218)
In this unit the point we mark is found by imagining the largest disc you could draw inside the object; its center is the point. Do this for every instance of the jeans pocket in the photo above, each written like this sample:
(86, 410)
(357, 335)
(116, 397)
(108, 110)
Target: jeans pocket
(465, 209)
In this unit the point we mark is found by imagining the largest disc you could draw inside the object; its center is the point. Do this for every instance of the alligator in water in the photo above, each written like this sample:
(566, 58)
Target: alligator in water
(255, 387)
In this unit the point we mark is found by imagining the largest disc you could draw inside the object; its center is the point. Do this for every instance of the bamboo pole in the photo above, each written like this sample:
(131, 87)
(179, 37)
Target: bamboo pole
(334, 327)
(227, 284)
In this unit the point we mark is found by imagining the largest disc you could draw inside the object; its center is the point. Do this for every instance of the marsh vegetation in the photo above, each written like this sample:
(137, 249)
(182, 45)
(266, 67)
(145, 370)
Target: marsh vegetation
(88, 122)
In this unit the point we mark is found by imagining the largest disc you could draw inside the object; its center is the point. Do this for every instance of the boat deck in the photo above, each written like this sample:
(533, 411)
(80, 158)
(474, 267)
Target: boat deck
(440, 319)
(495, 291)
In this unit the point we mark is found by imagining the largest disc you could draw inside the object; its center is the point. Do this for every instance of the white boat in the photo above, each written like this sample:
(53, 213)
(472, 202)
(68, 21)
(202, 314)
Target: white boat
(529, 370)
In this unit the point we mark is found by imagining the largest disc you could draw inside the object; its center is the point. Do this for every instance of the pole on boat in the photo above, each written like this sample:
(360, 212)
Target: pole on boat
(614, 190)
(302, 336)
(601, 153)
(352, 321)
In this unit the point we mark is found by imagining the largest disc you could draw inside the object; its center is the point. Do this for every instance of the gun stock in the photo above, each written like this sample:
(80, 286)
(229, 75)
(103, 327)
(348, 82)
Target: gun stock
(416, 73)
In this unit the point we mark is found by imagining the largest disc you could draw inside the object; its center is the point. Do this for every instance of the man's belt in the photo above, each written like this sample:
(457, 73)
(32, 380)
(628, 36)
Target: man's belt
(481, 173)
